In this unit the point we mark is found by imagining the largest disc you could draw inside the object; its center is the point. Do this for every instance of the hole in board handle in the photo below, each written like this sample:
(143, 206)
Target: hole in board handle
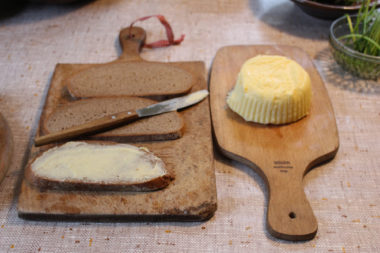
(292, 215)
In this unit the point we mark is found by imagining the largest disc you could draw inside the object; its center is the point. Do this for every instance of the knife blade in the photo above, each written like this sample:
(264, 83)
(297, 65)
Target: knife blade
(122, 118)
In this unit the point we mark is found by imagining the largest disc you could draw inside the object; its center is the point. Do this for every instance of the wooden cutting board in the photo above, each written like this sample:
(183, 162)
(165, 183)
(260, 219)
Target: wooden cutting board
(6, 147)
(192, 194)
(282, 154)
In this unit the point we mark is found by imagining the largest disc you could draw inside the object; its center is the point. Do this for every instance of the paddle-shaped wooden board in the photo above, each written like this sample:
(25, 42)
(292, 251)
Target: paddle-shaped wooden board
(282, 154)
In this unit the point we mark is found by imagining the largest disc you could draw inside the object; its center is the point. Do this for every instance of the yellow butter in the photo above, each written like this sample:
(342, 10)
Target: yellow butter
(271, 89)
(95, 163)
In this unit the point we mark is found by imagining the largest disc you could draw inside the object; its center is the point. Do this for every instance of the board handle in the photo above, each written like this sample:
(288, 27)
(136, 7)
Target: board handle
(289, 214)
(131, 41)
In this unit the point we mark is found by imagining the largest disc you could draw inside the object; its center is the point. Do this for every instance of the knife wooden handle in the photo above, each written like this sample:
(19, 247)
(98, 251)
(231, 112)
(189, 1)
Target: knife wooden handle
(97, 125)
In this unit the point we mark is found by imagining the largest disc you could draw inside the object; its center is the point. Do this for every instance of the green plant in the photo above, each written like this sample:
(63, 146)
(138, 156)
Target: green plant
(355, 42)
(364, 35)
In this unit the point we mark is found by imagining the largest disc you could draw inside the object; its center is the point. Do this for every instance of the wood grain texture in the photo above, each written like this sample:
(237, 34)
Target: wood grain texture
(283, 154)
(191, 196)
(6, 147)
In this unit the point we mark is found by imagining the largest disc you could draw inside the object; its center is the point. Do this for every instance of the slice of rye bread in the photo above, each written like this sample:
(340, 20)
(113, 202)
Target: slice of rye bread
(142, 79)
(97, 166)
(167, 126)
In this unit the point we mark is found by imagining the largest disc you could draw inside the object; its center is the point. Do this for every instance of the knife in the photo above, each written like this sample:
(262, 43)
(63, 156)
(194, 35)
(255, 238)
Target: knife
(121, 118)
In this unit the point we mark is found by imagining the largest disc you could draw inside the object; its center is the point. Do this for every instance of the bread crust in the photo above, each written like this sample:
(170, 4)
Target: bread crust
(44, 183)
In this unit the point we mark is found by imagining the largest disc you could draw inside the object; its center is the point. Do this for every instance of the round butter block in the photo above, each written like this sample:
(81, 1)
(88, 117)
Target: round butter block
(271, 89)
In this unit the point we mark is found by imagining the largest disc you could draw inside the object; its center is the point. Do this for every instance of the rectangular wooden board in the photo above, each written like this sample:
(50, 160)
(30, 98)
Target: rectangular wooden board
(191, 196)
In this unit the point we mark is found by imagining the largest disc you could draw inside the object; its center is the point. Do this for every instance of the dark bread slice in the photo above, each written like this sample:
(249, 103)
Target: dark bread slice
(44, 182)
(165, 126)
(144, 79)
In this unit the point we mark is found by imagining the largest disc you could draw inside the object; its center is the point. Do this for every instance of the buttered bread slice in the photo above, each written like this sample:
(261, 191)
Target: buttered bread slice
(98, 166)
(271, 89)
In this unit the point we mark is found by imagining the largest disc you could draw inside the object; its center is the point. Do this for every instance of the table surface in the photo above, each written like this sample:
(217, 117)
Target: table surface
(344, 193)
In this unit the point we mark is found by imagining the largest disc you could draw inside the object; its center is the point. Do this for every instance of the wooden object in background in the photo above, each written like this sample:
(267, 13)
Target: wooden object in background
(6, 147)
(281, 154)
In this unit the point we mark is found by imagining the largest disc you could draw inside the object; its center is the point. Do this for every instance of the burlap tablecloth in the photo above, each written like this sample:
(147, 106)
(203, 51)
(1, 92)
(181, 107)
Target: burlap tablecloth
(343, 193)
